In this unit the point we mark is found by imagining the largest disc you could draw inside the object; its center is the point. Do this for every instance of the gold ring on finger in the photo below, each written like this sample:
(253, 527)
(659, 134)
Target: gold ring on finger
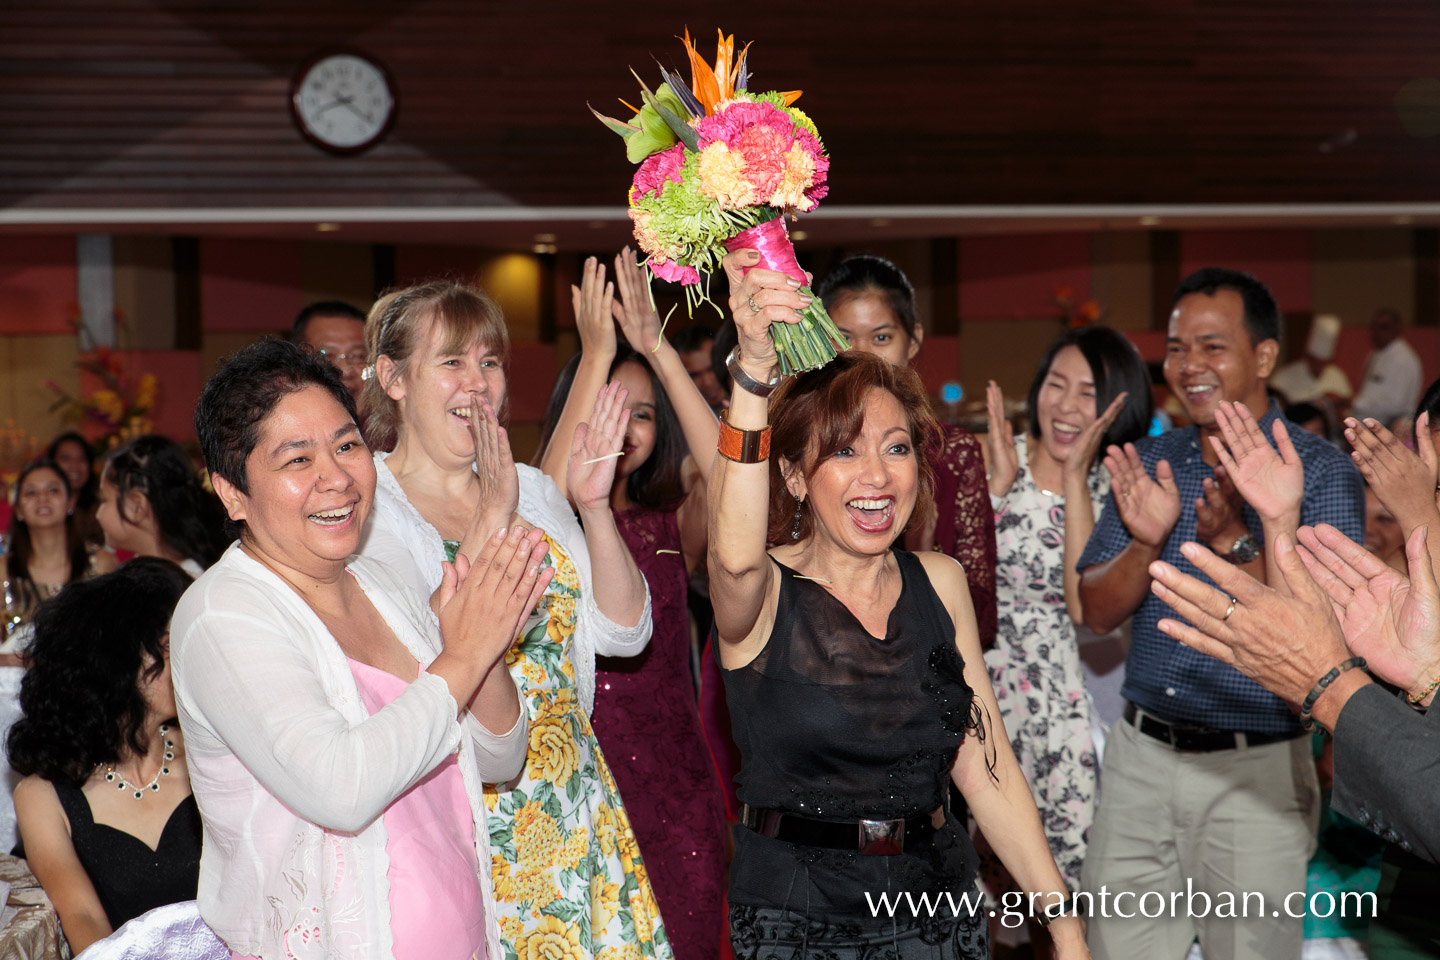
(754, 307)
(1230, 609)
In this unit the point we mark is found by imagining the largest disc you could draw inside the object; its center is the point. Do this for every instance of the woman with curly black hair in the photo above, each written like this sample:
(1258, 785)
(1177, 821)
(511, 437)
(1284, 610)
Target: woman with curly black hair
(152, 504)
(106, 817)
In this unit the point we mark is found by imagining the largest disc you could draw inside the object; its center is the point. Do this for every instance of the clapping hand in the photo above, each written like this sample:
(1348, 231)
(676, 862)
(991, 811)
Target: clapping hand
(1000, 438)
(1272, 482)
(594, 304)
(1219, 519)
(634, 311)
(1149, 507)
(495, 475)
(1082, 456)
(1403, 479)
(483, 605)
(596, 448)
(1390, 620)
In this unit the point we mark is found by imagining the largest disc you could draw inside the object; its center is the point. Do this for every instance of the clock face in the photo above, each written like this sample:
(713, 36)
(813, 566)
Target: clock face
(343, 102)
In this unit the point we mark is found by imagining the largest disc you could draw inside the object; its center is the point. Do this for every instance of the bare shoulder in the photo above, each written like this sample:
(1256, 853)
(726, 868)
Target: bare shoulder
(947, 576)
(36, 800)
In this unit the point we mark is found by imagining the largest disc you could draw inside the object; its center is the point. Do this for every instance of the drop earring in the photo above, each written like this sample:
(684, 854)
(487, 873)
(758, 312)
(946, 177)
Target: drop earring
(795, 530)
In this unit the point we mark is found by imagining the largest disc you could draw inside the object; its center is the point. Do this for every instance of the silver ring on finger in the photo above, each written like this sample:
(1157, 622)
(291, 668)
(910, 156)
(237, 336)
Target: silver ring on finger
(754, 307)
(1230, 609)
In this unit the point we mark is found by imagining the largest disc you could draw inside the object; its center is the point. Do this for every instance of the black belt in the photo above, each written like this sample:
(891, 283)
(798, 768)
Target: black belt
(1198, 739)
(870, 837)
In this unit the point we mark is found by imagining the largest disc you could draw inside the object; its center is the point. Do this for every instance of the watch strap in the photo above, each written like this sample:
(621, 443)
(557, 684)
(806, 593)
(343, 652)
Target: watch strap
(743, 446)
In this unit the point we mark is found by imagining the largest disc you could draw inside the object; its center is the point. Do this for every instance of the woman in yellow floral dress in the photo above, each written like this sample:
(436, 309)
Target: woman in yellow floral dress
(568, 880)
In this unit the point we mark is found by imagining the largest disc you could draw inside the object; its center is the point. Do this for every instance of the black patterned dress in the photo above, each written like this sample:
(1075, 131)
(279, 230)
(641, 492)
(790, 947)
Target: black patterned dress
(833, 723)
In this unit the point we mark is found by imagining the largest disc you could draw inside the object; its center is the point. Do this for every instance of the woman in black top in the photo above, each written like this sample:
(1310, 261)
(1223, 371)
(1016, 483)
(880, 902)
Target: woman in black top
(106, 817)
(853, 670)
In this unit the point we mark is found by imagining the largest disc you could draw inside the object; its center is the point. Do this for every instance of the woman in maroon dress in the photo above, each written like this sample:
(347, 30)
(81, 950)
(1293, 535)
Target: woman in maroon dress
(646, 717)
(872, 302)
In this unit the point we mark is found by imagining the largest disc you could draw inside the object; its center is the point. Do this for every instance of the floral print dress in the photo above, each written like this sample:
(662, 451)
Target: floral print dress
(1035, 666)
(569, 880)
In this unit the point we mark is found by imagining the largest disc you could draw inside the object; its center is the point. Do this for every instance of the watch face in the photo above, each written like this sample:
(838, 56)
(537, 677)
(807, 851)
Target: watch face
(343, 102)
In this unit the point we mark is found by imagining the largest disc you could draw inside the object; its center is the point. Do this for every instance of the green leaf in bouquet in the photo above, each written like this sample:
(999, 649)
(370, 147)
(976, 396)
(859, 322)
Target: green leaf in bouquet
(624, 129)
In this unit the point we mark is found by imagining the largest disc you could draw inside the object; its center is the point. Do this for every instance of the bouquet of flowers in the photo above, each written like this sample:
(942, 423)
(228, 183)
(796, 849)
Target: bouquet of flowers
(720, 167)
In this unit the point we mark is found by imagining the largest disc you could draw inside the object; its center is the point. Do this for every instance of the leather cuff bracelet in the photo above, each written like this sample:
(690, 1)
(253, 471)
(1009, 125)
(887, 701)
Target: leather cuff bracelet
(1305, 719)
(743, 446)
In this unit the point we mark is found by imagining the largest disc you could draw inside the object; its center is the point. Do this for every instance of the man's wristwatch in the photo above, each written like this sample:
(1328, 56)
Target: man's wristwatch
(746, 382)
(1245, 549)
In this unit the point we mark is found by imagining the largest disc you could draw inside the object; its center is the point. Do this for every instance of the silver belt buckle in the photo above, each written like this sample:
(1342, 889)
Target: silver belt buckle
(882, 837)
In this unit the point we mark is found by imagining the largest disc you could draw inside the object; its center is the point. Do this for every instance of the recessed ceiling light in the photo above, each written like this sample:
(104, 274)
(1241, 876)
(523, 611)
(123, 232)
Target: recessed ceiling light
(1149, 221)
(327, 227)
(543, 248)
(880, 222)
(798, 235)
(1401, 220)
(544, 238)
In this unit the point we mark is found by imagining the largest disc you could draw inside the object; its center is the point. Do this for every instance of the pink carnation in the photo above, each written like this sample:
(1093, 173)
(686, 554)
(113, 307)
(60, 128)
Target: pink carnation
(657, 169)
(730, 123)
(672, 272)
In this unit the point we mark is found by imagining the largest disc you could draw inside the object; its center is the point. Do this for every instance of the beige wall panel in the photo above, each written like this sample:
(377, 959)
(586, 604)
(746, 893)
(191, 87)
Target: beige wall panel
(26, 363)
(1357, 271)
(214, 346)
(514, 280)
(338, 271)
(145, 292)
(1120, 279)
(1006, 351)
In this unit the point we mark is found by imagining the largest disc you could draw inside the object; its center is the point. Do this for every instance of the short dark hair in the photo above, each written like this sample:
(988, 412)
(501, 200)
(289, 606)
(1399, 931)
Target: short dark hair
(864, 274)
(692, 338)
(80, 697)
(658, 483)
(323, 308)
(190, 518)
(1117, 368)
(245, 390)
(1262, 314)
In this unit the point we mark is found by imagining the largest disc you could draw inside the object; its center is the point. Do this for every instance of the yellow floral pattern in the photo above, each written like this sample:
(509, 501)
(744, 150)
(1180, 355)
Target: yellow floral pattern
(569, 880)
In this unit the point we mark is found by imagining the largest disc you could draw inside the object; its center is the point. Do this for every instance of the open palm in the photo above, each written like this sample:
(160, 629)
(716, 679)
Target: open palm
(1389, 619)
(1271, 479)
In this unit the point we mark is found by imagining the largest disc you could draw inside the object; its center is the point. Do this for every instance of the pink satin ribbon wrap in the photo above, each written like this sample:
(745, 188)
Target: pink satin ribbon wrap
(776, 251)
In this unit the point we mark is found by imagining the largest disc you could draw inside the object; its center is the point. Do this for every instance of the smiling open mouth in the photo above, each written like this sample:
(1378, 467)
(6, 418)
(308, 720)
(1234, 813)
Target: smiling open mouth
(332, 518)
(872, 515)
(461, 413)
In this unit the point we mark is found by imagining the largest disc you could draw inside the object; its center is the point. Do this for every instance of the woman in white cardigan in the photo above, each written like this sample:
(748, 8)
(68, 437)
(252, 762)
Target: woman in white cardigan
(560, 836)
(337, 745)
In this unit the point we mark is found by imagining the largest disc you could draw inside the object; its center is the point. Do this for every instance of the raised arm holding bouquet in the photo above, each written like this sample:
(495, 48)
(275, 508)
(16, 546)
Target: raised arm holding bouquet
(719, 169)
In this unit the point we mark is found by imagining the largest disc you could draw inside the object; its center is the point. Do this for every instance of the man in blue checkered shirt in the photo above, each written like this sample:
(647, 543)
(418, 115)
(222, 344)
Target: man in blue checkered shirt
(1208, 785)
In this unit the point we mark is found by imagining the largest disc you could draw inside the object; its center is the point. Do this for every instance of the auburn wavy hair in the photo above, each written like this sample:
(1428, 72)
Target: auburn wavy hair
(815, 415)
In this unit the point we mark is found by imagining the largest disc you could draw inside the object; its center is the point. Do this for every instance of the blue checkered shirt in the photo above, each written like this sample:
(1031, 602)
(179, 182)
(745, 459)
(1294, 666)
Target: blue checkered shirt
(1169, 679)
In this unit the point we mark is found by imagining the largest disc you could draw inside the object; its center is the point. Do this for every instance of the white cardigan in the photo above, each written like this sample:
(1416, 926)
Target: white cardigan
(291, 772)
(400, 537)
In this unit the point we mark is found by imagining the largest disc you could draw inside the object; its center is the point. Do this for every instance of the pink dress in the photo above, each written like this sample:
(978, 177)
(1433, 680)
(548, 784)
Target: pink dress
(436, 910)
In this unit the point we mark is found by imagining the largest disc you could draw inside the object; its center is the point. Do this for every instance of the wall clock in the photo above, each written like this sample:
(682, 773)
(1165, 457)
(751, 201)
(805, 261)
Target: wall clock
(343, 101)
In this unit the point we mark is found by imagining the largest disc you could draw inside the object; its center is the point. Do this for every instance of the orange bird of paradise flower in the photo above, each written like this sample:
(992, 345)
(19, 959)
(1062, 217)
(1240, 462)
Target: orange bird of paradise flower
(713, 85)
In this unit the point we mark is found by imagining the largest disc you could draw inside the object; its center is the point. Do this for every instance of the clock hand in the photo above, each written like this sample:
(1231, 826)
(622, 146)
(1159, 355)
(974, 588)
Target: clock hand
(356, 110)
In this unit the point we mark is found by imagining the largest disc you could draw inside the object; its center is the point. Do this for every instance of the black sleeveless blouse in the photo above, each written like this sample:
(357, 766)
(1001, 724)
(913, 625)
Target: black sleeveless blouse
(836, 724)
(128, 876)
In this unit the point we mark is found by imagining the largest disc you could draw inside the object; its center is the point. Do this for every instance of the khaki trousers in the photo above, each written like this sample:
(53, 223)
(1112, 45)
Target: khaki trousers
(1187, 826)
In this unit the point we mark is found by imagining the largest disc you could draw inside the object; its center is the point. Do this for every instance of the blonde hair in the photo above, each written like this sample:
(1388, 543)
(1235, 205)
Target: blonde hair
(465, 313)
